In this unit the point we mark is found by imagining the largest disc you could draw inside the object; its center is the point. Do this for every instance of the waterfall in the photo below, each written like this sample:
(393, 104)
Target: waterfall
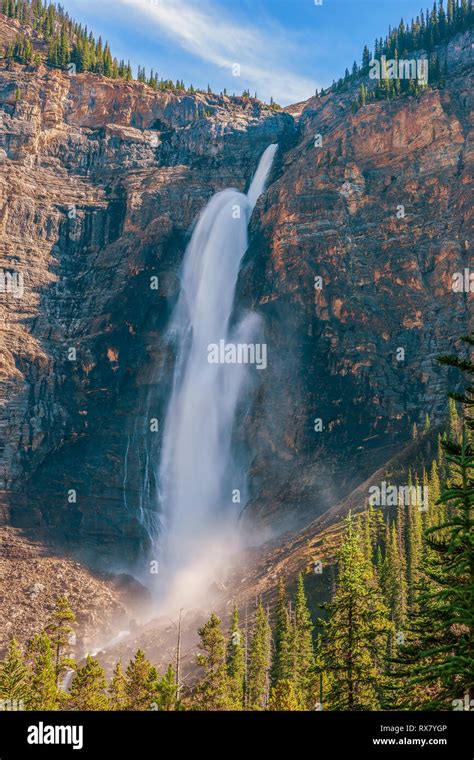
(197, 474)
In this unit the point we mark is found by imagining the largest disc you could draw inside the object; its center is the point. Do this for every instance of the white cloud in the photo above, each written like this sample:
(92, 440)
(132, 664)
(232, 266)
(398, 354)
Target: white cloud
(206, 33)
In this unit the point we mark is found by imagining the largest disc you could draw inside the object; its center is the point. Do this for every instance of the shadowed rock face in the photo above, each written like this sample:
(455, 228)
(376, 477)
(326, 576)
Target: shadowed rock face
(387, 284)
(101, 182)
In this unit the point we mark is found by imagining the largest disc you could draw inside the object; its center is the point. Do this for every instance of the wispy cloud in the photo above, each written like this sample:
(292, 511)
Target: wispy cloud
(265, 57)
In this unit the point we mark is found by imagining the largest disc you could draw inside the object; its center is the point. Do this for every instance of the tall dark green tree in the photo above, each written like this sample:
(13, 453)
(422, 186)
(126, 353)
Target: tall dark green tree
(212, 692)
(140, 683)
(60, 631)
(302, 646)
(283, 697)
(236, 663)
(117, 689)
(168, 691)
(440, 654)
(14, 677)
(282, 639)
(43, 692)
(258, 677)
(355, 635)
(88, 688)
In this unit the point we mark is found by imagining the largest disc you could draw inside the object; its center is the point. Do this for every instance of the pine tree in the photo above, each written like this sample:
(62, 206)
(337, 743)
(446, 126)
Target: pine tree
(445, 654)
(140, 685)
(394, 581)
(302, 646)
(365, 59)
(283, 697)
(281, 661)
(436, 662)
(44, 692)
(236, 663)
(436, 510)
(60, 630)
(414, 543)
(212, 692)
(64, 51)
(117, 689)
(167, 691)
(88, 688)
(14, 677)
(53, 51)
(454, 424)
(355, 636)
(259, 661)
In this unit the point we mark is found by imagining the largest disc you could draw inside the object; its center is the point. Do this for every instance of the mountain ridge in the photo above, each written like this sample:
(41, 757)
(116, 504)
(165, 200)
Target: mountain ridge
(112, 175)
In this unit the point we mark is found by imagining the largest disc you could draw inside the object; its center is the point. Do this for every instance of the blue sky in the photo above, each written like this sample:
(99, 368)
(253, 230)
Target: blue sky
(285, 48)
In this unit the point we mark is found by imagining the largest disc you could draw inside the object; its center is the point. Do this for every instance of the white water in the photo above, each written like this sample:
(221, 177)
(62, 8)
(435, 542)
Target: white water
(197, 473)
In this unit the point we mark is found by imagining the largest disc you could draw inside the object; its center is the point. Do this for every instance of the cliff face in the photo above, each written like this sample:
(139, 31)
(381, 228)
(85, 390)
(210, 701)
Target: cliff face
(381, 212)
(101, 182)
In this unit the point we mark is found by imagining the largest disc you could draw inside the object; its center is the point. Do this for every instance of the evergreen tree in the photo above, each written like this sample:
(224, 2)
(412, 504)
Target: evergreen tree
(167, 690)
(283, 697)
(117, 689)
(281, 661)
(414, 543)
(394, 581)
(365, 59)
(236, 663)
(454, 423)
(355, 636)
(64, 51)
(212, 692)
(60, 631)
(436, 510)
(259, 661)
(44, 692)
(14, 677)
(140, 683)
(362, 95)
(302, 646)
(88, 688)
(442, 657)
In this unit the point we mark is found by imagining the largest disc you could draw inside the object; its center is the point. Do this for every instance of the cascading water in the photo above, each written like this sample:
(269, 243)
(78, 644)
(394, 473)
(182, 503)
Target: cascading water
(197, 474)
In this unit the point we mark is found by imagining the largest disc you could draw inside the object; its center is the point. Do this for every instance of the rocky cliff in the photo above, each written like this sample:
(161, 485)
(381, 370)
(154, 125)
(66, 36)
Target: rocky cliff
(101, 182)
(351, 264)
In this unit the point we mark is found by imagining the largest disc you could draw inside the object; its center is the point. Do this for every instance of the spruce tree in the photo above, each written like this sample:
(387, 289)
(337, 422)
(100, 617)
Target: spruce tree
(393, 579)
(355, 635)
(414, 543)
(117, 689)
(88, 687)
(302, 646)
(441, 656)
(14, 677)
(212, 692)
(236, 663)
(140, 683)
(259, 661)
(167, 691)
(282, 639)
(283, 697)
(44, 693)
(60, 630)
